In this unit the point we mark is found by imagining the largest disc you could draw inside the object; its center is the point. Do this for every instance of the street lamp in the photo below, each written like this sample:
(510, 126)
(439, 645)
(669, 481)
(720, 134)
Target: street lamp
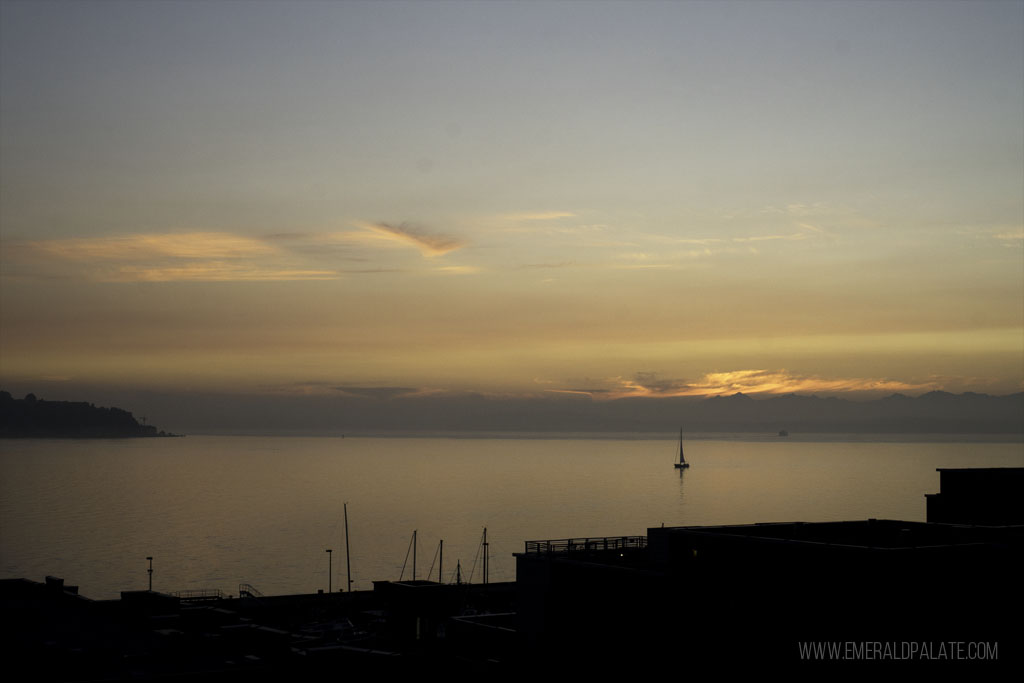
(330, 571)
(150, 572)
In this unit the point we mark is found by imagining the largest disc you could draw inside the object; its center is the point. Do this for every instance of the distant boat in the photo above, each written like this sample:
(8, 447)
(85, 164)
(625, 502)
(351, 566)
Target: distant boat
(783, 432)
(682, 464)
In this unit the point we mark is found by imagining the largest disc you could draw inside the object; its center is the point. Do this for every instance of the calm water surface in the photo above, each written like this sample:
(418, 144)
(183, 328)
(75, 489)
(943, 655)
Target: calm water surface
(215, 511)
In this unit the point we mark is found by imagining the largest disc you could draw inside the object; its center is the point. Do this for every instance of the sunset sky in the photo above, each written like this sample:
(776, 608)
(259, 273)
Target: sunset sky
(515, 198)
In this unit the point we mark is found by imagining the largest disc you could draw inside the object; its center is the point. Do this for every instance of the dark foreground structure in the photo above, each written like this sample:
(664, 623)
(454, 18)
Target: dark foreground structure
(978, 495)
(54, 634)
(794, 594)
(803, 597)
(768, 593)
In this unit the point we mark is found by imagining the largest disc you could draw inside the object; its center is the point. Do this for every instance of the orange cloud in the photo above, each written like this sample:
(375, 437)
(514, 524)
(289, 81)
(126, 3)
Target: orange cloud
(174, 257)
(429, 245)
(188, 245)
(748, 382)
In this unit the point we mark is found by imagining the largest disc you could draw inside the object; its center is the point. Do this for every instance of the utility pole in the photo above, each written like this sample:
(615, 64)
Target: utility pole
(330, 570)
(150, 572)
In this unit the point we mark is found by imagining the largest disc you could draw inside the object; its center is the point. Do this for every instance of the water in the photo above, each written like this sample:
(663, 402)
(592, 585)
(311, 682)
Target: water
(215, 511)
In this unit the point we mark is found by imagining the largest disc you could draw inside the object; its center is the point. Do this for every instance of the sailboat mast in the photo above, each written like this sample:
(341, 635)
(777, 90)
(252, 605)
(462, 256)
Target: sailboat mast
(485, 554)
(414, 554)
(682, 464)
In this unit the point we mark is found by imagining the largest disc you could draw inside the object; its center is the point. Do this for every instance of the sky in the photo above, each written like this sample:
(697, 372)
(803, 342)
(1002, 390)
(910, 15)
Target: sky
(512, 198)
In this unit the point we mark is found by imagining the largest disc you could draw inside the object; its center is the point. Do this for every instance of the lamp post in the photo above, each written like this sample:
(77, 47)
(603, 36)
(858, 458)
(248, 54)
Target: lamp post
(330, 571)
(150, 572)
(348, 561)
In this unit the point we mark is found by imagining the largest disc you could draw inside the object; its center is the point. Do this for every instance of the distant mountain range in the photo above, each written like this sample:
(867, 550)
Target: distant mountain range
(937, 412)
(31, 417)
(934, 412)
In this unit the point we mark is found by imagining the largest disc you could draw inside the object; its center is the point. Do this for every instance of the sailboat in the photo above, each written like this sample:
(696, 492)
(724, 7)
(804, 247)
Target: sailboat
(682, 464)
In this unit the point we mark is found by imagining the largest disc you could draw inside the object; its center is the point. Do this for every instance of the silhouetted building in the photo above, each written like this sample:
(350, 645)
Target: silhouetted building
(469, 621)
(978, 495)
(756, 592)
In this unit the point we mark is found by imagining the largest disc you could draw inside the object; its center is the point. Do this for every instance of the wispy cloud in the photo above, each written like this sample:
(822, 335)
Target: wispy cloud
(806, 215)
(643, 259)
(336, 389)
(458, 270)
(539, 216)
(404, 234)
(221, 256)
(188, 245)
(560, 264)
(794, 236)
(812, 228)
(808, 231)
(592, 393)
(701, 241)
(324, 388)
(377, 392)
(213, 271)
(172, 257)
(644, 266)
(799, 209)
(553, 223)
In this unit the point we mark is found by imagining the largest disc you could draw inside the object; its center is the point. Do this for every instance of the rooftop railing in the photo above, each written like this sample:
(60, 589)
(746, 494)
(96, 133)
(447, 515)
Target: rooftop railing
(585, 545)
(200, 595)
